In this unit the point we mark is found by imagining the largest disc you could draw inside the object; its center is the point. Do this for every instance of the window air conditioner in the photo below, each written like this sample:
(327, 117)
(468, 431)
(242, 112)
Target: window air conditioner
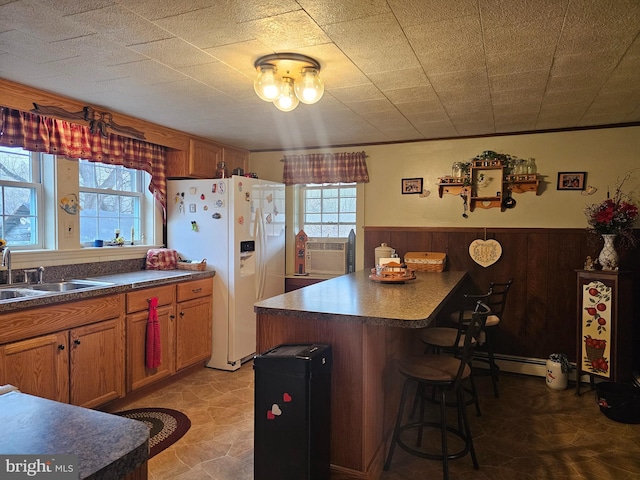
(326, 256)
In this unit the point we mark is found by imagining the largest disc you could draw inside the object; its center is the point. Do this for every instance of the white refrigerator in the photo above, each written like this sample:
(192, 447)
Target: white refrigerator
(238, 225)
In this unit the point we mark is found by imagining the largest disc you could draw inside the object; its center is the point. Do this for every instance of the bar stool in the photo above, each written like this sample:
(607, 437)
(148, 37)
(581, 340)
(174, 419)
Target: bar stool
(445, 374)
(496, 302)
(450, 336)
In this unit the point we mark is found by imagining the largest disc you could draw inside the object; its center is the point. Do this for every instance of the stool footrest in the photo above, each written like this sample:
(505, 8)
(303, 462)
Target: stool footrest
(433, 456)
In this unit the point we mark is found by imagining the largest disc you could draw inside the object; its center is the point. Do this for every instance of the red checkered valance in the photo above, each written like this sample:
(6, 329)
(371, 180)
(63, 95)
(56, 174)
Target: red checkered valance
(37, 133)
(325, 168)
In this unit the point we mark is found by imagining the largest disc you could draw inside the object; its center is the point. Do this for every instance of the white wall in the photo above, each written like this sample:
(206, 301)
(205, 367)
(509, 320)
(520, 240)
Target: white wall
(605, 154)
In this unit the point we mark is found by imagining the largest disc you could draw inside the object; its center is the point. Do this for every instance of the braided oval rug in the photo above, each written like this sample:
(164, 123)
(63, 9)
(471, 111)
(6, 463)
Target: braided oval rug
(166, 426)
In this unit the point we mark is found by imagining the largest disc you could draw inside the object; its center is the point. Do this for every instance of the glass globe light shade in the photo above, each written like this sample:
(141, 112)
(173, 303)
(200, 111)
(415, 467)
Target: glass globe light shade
(309, 86)
(287, 100)
(267, 85)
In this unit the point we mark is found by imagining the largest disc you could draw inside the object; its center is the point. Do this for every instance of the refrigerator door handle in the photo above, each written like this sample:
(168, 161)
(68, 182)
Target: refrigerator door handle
(261, 269)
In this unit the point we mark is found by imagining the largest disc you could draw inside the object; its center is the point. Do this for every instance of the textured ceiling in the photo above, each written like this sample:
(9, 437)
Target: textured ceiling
(394, 70)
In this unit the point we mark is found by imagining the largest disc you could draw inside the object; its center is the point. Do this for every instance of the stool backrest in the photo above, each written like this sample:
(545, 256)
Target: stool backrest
(498, 297)
(472, 335)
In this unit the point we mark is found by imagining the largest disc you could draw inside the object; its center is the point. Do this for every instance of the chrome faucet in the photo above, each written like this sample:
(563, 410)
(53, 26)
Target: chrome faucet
(31, 271)
(6, 262)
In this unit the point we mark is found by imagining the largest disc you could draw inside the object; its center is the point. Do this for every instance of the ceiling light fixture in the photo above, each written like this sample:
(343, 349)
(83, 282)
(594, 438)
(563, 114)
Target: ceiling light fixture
(287, 79)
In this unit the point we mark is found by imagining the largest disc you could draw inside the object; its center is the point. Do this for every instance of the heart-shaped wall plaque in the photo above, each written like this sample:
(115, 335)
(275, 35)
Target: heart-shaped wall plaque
(485, 252)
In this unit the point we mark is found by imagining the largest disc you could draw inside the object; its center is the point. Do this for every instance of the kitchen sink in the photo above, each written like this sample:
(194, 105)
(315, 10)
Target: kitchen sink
(67, 286)
(20, 291)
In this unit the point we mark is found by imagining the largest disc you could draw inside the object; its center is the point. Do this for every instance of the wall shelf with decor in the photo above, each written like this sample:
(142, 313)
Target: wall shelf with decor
(488, 181)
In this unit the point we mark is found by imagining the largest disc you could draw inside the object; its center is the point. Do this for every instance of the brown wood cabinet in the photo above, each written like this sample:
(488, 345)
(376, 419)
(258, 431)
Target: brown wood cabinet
(83, 365)
(193, 322)
(97, 363)
(39, 366)
(235, 158)
(200, 161)
(138, 375)
(294, 283)
(184, 314)
(76, 352)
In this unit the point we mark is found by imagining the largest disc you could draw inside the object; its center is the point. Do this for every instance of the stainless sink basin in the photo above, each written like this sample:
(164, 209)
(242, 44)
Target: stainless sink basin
(22, 291)
(13, 293)
(69, 285)
(8, 294)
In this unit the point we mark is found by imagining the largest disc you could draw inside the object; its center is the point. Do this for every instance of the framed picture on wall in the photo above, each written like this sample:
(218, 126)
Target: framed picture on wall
(571, 180)
(411, 185)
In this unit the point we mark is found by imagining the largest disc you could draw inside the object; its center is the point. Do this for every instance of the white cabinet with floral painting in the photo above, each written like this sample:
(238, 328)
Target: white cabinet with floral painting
(605, 325)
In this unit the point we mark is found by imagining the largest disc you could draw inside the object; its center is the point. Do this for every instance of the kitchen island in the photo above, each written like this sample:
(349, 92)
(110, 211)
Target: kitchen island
(369, 325)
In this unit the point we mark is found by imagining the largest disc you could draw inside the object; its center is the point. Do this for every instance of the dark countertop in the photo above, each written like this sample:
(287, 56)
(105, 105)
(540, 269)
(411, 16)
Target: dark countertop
(119, 282)
(108, 446)
(356, 298)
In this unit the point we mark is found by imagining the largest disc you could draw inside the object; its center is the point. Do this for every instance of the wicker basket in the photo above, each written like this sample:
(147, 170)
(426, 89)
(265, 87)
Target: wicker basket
(425, 261)
(192, 266)
(594, 353)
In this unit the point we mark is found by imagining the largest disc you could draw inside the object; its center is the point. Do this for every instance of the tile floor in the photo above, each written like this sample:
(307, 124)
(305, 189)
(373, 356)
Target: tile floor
(531, 433)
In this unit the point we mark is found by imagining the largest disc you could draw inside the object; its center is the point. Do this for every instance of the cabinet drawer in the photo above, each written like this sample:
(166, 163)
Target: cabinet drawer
(195, 289)
(138, 301)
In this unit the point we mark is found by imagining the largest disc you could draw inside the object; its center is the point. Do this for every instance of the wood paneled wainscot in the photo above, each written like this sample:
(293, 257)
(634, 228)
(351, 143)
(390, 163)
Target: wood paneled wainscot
(72, 352)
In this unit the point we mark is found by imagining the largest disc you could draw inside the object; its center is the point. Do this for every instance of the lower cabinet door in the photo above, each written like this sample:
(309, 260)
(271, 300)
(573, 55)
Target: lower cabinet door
(138, 374)
(193, 332)
(97, 363)
(38, 366)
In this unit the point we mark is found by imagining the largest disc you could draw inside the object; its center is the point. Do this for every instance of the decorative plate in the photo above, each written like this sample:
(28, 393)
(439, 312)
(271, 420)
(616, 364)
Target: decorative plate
(485, 252)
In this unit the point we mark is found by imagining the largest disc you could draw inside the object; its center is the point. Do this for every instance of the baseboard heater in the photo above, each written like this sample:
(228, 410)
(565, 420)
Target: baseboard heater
(536, 367)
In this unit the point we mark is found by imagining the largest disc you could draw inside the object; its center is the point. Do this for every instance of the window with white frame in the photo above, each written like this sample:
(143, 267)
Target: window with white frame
(327, 210)
(21, 195)
(110, 201)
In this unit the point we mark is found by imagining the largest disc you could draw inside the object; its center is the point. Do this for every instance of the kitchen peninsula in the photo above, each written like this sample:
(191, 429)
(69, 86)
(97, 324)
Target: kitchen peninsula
(369, 325)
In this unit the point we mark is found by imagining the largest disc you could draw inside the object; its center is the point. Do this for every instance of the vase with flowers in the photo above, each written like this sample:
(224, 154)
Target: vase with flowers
(613, 218)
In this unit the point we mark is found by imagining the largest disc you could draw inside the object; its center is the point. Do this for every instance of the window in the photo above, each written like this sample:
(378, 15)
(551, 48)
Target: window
(328, 210)
(110, 201)
(20, 197)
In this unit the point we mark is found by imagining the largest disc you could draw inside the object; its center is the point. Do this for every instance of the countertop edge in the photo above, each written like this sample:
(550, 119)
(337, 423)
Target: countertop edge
(115, 287)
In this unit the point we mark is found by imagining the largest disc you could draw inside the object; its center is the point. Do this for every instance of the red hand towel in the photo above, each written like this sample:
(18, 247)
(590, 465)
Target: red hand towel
(153, 347)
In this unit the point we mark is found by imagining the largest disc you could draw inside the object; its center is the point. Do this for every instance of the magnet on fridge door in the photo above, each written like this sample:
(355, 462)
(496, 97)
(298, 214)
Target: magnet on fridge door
(269, 219)
(221, 187)
(216, 215)
(247, 197)
(192, 208)
(202, 196)
(214, 187)
(241, 220)
(239, 186)
(194, 226)
(205, 208)
(219, 203)
(193, 190)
